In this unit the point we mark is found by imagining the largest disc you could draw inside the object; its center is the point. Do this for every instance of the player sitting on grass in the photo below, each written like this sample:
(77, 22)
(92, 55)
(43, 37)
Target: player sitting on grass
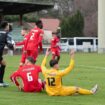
(53, 78)
(29, 74)
(25, 34)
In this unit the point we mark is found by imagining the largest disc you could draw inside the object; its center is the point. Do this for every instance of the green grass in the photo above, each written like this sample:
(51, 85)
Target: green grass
(89, 70)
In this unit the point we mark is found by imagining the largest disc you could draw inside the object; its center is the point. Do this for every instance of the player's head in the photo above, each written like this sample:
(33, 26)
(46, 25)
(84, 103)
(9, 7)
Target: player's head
(39, 24)
(54, 34)
(25, 31)
(4, 25)
(29, 60)
(10, 28)
(54, 64)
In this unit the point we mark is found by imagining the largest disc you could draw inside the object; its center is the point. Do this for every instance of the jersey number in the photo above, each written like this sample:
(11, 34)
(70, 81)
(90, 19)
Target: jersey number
(32, 36)
(29, 77)
(51, 81)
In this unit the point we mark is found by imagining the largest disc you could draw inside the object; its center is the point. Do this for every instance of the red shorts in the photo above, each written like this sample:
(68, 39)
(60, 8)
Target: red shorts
(38, 88)
(55, 51)
(33, 54)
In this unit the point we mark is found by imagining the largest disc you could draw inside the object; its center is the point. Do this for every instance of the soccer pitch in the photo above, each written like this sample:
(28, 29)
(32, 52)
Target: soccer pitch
(89, 70)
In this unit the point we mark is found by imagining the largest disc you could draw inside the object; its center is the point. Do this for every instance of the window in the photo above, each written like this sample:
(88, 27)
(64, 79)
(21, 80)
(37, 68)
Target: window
(96, 41)
(71, 42)
(80, 41)
(63, 40)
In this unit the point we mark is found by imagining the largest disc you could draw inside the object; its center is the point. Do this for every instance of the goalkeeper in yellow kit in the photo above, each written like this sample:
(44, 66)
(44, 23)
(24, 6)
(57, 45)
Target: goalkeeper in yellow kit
(53, 78)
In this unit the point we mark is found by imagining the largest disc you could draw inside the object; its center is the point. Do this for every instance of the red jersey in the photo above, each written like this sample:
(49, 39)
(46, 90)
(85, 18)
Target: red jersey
(35, 38)
(23, 42)
(54, 42)
(29, 75)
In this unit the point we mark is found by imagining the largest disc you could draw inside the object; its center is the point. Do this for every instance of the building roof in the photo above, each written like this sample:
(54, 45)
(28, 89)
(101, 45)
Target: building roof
(48, 24)
(16, 8)
(51, 24)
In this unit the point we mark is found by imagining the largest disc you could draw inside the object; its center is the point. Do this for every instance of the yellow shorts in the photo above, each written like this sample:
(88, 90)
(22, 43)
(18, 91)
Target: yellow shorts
(67, 90)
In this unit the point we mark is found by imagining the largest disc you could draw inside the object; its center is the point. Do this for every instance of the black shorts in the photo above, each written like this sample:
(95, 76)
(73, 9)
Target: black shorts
(1, 56)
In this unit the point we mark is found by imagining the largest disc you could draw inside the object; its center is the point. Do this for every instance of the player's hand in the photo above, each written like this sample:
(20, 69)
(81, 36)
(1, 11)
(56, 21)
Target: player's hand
(19, 87)
(47, 52)
(14, 46)
(72, 53)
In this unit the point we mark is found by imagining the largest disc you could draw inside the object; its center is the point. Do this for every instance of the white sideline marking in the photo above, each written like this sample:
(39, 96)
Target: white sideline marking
(94, 67)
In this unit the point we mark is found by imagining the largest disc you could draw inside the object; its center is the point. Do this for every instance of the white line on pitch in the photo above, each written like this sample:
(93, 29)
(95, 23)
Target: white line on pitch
(94, 67)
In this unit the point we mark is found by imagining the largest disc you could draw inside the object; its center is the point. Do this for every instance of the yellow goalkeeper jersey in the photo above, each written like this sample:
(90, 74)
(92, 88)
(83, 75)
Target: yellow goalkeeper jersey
(53, 77)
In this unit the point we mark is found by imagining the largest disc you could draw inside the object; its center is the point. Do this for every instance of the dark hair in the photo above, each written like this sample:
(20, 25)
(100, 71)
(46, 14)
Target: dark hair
(30, 59)
(53, 62)
(3, 24)
(39, 24)
(54, 33)
(10, 28)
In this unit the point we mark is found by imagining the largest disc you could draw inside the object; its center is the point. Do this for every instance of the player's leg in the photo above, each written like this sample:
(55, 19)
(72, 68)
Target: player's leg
(23, 58)
(2, 71)
(40, 47)
(53, 53)
(58, 54)
(34, 54)
(65, 91)
(86, 91)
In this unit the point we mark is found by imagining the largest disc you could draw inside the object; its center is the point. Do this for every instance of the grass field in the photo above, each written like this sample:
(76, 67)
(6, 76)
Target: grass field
(89, 70)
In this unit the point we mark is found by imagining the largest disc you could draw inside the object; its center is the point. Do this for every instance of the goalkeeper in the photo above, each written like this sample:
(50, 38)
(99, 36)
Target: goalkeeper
(53, 78)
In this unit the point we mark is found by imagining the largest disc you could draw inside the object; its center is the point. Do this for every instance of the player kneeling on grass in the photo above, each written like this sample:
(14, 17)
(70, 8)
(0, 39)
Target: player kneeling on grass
(29, 75)
(53, 78)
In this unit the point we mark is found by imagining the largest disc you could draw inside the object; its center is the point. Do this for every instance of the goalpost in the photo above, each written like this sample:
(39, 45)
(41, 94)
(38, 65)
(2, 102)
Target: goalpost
(101, 26)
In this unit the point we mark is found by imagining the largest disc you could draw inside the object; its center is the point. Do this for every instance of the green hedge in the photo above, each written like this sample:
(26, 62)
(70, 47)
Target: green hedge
(73, 26)
(25, 18)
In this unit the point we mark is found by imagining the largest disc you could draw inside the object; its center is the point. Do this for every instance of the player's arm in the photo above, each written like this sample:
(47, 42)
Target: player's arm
(13, 78)
(40, 38)
(26, 43)
(71, 65)
(43, 65)
(10, 42)
(19, 43)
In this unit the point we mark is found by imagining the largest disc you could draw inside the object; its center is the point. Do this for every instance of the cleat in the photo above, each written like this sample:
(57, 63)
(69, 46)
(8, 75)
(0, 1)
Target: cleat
(94, 89)
(4, 85)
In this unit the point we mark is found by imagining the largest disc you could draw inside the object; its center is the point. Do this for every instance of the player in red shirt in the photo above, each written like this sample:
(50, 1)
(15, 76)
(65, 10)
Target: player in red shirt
(35, 39)
(55, 48)
(29, 74)
(25, 34)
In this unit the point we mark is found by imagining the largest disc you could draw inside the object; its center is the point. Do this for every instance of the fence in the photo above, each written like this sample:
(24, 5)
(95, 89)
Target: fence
(85, 44)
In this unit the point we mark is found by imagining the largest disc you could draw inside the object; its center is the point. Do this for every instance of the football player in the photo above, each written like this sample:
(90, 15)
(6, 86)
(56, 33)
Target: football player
(29, 74)
(4, 40)
(35, 39)
(25, 34)
(55, 48)
(53, 78)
